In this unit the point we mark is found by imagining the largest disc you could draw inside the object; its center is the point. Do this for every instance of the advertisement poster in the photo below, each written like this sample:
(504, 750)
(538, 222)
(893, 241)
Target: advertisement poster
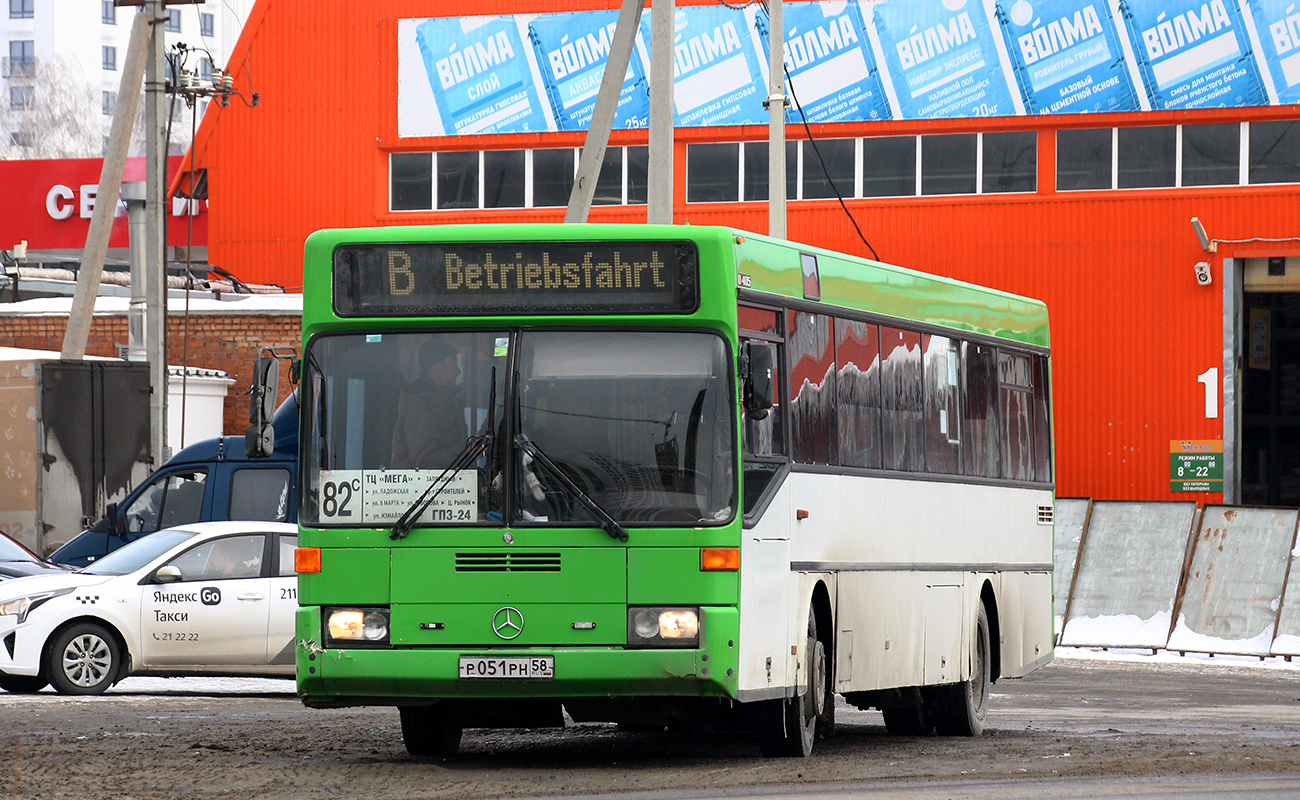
(942, 59)
(719, 76)
(829, 60)
(854, 61)
(1277, 23)
(1193, 53)
(1067, 56)
(482, 76)
(572, 50)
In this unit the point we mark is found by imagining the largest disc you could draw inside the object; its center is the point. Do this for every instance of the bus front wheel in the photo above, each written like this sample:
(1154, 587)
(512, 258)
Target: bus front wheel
(791, 727)
(429, 731)
(959, 709)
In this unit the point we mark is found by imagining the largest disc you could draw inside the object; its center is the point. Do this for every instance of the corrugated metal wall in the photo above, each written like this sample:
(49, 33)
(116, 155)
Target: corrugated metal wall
(1132, 330)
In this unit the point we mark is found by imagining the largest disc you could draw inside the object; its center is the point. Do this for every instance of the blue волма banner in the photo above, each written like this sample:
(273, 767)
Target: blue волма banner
(854, 61)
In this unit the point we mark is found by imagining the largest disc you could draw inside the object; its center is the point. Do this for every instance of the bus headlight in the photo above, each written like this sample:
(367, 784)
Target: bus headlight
(356, 626)
(660, 626)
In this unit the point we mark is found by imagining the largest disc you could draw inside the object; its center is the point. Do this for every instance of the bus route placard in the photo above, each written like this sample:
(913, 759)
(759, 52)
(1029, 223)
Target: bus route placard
(437, 278)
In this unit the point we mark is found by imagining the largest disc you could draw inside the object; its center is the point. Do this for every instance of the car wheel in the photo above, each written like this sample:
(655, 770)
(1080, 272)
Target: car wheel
(84, 659)
(22, 684)
(429, 731)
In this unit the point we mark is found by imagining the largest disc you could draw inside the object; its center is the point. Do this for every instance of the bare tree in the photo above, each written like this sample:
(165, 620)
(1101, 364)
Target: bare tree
(53, 112)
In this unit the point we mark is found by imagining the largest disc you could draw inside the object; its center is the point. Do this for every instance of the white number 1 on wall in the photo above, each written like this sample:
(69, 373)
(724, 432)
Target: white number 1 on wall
(1210, 378)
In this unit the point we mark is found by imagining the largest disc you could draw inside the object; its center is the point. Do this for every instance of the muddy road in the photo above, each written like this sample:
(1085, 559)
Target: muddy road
(1075, 718)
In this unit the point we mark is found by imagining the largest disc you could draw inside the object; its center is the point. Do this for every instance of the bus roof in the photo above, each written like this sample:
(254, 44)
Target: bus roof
(768, 266)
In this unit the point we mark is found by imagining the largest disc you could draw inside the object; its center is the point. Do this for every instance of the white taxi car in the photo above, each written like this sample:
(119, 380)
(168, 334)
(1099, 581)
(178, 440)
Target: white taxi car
(211, 598)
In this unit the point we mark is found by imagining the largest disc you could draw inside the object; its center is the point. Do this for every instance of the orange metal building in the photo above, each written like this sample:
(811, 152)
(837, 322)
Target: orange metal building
(1141, 348)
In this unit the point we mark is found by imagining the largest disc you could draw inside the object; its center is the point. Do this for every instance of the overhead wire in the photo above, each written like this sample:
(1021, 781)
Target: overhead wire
(813, 141)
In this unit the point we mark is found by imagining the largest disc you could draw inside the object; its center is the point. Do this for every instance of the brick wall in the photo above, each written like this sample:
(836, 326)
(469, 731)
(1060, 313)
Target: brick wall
(211, 340)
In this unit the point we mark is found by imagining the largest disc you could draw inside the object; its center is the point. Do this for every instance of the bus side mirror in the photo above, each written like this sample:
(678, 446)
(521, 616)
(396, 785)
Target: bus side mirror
(757, 361)
(259, 439)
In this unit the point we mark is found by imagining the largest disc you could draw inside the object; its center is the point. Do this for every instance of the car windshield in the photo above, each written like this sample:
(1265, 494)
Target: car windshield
(640, 422)
(137, 554)
(12, 551)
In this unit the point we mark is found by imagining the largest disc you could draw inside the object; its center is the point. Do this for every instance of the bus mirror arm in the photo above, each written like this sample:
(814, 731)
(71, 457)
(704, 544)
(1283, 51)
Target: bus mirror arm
(607, 521)
(756, 368)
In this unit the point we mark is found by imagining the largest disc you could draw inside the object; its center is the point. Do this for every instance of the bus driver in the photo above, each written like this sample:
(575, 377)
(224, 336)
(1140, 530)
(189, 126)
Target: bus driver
(430, 427)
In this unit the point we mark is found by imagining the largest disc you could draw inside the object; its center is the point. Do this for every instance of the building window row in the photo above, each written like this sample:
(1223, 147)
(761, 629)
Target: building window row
(473, 179)
(109, 57)
(173, 23)
(22, 9)
(206, 24)
(109, 103)
(1170, 156)
(881, 166)
(107, 12)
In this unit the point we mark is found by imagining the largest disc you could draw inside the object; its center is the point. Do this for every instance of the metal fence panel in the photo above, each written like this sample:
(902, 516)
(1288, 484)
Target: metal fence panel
(1071, 516)
(1129, 565)
(1230, 601)
(1287, 640)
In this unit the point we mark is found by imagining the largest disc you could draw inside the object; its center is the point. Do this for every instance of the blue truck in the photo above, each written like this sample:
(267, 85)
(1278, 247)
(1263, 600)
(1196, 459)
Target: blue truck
(210, 480)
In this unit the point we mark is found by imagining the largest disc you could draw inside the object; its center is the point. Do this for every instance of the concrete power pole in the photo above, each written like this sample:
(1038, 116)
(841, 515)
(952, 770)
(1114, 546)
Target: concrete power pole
(659, 183)
(155, 262)
(776, 123)
(110, 184)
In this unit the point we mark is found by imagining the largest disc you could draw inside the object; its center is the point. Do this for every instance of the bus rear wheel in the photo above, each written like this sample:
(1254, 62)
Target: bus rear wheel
(911, 720)
(960, 709)
(791, 729)
(429, 731)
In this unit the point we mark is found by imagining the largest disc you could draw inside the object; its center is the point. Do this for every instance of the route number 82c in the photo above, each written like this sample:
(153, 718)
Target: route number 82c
(337, 495)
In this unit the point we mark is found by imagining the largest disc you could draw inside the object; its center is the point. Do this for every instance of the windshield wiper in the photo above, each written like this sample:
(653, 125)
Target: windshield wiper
(474, 449)
(607, 521)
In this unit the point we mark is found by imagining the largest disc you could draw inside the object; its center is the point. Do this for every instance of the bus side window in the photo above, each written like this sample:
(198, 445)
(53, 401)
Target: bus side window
(857, 352)
(1016, 395)
(812, 389)
(942, 405)
(766, 437)
(1042, 423)
(902, 404)
(981, 433)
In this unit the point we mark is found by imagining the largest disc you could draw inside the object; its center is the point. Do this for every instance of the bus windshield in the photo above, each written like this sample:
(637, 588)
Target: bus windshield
(639, 423)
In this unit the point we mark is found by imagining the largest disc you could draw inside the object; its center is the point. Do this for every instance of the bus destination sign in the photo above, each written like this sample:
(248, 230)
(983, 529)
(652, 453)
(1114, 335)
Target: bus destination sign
(420, 279)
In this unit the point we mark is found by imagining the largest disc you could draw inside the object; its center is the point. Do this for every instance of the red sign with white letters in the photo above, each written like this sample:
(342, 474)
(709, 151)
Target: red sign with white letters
(48, 203)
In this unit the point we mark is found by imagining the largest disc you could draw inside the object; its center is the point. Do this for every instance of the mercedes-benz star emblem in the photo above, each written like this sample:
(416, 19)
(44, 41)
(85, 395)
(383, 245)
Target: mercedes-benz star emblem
(508, 622)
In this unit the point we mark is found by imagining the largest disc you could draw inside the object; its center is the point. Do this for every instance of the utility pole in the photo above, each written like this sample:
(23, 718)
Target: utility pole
(775, 122)
(110, 183)
(659, 184)
(602, 117)
(155, 260)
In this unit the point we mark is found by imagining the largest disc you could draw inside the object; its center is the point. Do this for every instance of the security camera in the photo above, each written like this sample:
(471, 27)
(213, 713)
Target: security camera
(1203, 273)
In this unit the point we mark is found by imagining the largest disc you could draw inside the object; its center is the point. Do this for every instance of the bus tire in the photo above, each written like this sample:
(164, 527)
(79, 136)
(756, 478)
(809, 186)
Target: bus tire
(792, 729)
(83, 659)
(429, 731)
(960, 709)
(908, 720)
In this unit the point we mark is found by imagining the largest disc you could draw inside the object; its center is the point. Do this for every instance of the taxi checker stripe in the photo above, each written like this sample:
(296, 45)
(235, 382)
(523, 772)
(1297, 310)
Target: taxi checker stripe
(508, 622)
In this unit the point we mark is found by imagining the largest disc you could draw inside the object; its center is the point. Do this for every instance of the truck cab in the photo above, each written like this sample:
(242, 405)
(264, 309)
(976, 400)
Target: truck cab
(209, 480)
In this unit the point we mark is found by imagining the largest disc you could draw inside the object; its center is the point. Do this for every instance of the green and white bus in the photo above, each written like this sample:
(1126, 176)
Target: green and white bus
(664, 476)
